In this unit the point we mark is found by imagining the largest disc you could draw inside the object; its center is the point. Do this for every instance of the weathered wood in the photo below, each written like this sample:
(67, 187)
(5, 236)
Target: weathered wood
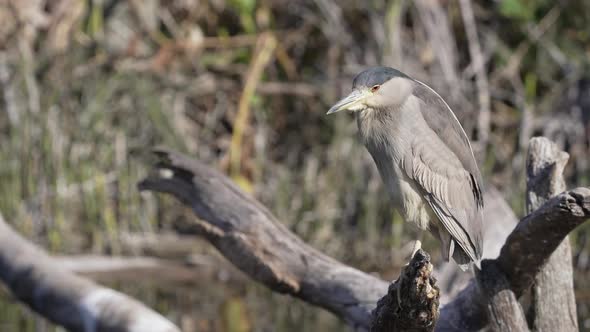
(526, 249)
(538, 234)
(504, 311)
(67, 299)
(553, 307)
(252, 239)
(411, 303)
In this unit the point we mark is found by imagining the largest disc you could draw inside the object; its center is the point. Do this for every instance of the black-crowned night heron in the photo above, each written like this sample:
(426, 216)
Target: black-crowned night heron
(424, 157)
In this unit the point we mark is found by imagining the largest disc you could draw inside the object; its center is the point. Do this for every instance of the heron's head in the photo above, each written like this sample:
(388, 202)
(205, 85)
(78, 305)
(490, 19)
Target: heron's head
(376, 88)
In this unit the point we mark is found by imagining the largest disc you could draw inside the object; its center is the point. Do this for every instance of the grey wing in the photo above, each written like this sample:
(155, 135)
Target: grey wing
(441, 119)
(442, 163)
(448, 188)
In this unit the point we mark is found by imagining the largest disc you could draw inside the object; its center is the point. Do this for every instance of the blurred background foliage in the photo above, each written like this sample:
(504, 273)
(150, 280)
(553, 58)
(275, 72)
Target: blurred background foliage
(88, 87)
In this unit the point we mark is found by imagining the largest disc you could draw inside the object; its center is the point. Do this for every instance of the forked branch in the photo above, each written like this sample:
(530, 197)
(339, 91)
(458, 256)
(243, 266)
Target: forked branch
(247, 234)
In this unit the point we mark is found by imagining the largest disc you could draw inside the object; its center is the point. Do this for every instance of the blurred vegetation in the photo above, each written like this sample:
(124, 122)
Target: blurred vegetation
(88, 87)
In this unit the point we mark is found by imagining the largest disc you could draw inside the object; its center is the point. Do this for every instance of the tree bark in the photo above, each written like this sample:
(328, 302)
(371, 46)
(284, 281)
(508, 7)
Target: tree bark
(66, 299)
(252, 239)
(553, 305)
(536, 237)
(504, 311)
(411, 303)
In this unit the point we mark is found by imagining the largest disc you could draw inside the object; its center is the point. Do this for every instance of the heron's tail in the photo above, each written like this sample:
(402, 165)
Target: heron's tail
(450, 249)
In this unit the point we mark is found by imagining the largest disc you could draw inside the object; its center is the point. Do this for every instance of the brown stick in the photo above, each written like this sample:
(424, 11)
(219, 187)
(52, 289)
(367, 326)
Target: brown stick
(554, 305)
(65, 298)
(253, 240)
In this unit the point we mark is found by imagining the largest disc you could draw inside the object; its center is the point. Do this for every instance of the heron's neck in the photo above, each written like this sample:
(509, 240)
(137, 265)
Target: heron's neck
(389, 132)
(376, 125)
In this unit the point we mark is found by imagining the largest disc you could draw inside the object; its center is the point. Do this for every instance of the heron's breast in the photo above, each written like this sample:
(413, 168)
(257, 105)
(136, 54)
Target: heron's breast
(388, 136)
(413, 206)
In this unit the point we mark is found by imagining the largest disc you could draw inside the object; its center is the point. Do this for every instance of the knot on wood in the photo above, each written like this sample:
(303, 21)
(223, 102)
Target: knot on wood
(412, 301)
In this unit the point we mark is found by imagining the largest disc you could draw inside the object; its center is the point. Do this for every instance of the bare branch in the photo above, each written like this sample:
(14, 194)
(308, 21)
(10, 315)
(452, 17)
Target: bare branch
(538, 235)
(66, 299)
(248, 235)
(554, 304)
(526, 250)
(504, 310)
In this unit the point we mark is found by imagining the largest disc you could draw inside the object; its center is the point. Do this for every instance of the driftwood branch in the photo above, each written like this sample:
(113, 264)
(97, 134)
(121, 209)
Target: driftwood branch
(523, 255)
(537, 236)
(504, 310)
(252, 239)
(553, 305)
(66, 299)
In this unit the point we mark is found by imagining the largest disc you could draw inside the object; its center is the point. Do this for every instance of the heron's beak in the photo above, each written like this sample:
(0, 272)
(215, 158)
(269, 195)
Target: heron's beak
(349, 102)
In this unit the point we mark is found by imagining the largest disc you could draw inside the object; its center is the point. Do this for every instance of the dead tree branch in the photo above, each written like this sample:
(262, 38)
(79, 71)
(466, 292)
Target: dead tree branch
(554, 305)
(247, 234)
(523, 255)
(537, 236)
(252, 239)
(66, 299)
(504, 310)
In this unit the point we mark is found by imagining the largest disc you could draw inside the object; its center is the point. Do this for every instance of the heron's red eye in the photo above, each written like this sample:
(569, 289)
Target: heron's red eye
(375, 88)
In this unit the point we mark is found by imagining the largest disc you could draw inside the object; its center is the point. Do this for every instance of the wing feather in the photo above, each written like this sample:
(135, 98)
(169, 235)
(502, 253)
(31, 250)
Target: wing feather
(442, 163)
